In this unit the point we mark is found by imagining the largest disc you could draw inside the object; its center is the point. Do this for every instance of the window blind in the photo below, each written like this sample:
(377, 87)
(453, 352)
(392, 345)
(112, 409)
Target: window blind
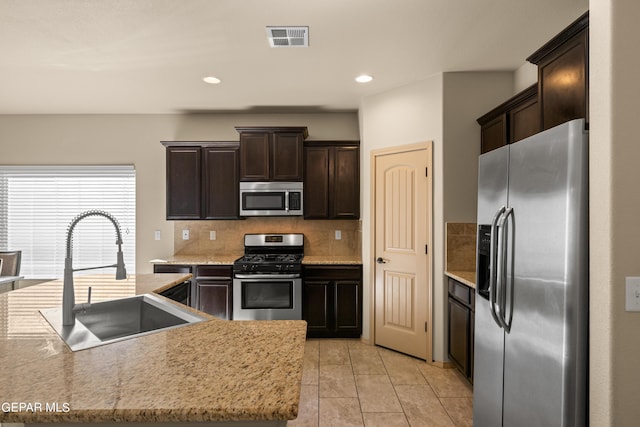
(37, 204)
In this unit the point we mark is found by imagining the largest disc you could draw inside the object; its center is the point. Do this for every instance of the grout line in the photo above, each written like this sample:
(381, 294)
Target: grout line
(353, 374)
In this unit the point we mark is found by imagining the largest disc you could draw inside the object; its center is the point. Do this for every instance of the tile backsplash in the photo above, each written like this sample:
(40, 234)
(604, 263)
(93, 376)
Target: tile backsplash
(461, 246)
(319, 235)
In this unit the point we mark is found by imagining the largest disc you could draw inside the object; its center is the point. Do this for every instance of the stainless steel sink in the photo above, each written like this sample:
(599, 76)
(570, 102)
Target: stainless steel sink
(116, 320)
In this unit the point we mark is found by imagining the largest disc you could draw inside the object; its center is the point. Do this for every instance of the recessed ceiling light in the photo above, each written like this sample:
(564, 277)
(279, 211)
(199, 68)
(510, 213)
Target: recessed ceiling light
(364, 78)
(212, 80)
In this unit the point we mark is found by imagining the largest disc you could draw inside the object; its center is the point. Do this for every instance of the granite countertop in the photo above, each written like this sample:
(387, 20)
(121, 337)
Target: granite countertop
(215, 370)
(331, 259)
(229, 259)
(466, 277)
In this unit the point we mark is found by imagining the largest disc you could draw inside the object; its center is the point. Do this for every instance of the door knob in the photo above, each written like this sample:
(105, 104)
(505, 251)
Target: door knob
(381, 260)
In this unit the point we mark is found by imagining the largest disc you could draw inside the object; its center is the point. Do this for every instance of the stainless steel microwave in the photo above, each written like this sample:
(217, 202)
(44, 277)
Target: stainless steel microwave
(271, 198)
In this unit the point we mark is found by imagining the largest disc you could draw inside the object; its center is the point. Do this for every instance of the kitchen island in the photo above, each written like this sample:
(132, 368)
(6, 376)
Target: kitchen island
(215, 372)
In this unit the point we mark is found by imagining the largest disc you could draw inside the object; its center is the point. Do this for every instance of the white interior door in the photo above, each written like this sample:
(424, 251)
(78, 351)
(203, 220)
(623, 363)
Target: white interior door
(402, 225)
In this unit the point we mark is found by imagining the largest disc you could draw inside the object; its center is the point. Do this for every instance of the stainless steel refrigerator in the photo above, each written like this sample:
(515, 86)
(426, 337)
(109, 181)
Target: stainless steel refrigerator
(531, 320)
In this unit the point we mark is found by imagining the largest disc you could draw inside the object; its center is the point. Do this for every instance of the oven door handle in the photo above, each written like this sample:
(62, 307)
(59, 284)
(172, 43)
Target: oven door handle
(267, 276)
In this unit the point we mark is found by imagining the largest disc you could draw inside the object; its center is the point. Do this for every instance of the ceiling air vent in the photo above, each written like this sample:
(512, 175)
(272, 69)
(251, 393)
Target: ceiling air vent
(288, 36)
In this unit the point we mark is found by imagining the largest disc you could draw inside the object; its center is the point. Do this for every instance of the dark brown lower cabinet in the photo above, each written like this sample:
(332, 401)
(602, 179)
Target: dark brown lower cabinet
(214, 288)
(461, 327)
(174, 268)
(210, 289)
(332, 301)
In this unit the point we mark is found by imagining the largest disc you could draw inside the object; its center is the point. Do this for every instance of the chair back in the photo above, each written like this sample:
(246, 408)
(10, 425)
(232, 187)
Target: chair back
(10, 263)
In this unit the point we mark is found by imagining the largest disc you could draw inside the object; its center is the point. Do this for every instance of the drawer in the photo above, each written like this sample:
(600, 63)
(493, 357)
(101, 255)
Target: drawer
(214, 271)
(461, 292)
(171, 268)
(332, 272)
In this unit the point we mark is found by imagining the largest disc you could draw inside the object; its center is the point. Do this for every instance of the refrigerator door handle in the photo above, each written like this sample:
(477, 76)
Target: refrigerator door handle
(506, 274)
(493, 266)
(511, 276)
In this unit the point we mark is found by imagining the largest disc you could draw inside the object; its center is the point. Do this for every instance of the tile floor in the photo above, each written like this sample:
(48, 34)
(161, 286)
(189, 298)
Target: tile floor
(349, 383)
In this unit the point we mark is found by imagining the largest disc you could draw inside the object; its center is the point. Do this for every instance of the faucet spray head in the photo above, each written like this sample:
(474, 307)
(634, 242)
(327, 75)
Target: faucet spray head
(121, 271)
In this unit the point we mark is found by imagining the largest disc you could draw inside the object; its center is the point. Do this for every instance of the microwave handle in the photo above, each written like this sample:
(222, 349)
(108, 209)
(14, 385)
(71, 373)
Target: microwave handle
(286, 200)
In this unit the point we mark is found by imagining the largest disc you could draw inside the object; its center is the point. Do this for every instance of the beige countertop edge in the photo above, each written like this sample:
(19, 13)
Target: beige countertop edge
(466, 277)
(198, 259)
(229, 259)
(329, 259)
(159, 282)
(215, 370)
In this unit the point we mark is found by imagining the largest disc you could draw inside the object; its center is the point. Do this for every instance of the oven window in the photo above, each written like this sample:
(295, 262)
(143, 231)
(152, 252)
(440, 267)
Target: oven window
(264, 295)
(263, 201)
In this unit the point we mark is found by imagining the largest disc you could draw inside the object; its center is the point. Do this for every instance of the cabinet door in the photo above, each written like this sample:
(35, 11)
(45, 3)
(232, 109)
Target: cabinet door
(316, 309)
(472, 344)
(316, 182)
(493, 134)
(286, 156)
(348, 301)
(563, 82)
(459, 325)
(221, 196)
(183, 183)
(179, 268)
(524, 120)
(254, 156)
(332, 301)
(214, 297)
(345, 183)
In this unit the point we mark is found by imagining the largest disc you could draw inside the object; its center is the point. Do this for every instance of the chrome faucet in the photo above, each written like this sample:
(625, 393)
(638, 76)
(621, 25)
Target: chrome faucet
(69, 306)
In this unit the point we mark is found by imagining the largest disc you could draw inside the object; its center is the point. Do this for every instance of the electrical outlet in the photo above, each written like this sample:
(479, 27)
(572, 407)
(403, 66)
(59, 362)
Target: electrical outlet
(185, 234)
(632, 288)
(156, 235)
(212, 235)
(338, 235)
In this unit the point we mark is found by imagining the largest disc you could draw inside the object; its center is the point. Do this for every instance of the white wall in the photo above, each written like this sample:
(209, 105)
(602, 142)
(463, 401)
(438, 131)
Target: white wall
(467, 96)
(524, 76)
(135, 139)
(405, 115)
(443, 109)
(614, 211)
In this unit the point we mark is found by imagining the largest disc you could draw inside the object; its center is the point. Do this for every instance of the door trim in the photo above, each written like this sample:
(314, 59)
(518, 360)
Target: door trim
(426, 145)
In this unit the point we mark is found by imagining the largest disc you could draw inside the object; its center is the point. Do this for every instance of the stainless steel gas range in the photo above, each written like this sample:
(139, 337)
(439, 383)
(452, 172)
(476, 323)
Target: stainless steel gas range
(267, 280)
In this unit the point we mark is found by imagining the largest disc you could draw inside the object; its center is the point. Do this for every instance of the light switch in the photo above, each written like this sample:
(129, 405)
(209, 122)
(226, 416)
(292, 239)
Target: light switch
(185, 234)
(156, 235)
(212, 235)
(632, 288)
(338, 235)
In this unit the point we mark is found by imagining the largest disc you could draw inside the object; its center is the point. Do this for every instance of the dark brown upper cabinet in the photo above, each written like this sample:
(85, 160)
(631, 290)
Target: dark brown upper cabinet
(184, 180)
(202, 180)
(561, 93)
(332, 180)
(220, 182)
(511, 121)
(563, 75)
(271, 153)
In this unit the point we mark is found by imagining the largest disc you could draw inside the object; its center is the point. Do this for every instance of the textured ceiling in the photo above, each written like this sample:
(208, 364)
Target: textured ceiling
(149, 56)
